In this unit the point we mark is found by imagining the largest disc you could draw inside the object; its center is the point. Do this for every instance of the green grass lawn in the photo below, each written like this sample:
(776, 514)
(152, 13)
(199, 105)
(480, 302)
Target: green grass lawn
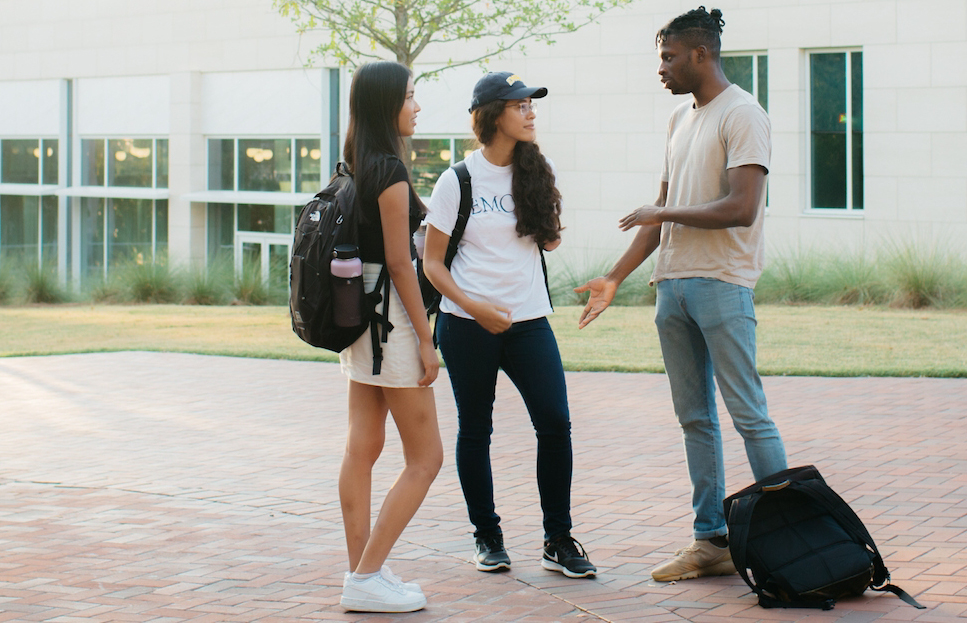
(807, 340)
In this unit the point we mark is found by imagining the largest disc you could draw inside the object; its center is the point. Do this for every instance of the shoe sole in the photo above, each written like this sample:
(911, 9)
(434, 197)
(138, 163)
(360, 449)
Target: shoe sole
(722, 568)
(500, 566)
(550, 565)
(372, 605)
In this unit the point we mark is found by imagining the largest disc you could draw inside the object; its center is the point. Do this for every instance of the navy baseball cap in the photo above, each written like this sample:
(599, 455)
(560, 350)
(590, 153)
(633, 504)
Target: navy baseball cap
(502, 85)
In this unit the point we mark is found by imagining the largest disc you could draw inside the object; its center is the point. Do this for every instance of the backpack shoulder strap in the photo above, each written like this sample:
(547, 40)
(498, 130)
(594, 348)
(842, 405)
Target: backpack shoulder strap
(463, 215)
(739, 520)
(842, 511)
(380, 320)
(547, 284)
(739, 517)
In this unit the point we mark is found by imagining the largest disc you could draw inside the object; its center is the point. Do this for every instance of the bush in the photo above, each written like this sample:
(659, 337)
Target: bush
(6, 287)
(902, 275)
(249, 289)
(855, 280)
(792, 279)
(148, 283)
(42, 285)
(109, 290)
(924, 275)
(564, 275)
(209, 286)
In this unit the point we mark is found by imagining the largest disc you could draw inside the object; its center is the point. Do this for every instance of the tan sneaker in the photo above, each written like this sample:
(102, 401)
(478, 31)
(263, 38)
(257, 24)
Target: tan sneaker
(698, 559)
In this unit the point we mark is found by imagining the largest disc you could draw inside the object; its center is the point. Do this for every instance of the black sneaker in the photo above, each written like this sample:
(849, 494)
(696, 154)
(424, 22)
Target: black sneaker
(566, 555)
(490, 553)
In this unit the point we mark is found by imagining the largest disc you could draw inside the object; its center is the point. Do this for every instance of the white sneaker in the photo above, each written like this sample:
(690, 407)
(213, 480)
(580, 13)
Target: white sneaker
(378, 594)
(395, 579)
(389, 575)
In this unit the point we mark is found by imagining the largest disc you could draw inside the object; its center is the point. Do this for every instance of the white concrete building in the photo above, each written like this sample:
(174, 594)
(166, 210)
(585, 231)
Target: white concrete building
(188, 129)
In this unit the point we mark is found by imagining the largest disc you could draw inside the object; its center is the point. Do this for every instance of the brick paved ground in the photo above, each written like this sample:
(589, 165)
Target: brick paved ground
(167, 487)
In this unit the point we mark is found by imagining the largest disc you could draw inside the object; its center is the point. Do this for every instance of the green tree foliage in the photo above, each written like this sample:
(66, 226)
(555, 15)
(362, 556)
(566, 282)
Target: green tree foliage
(362, 30)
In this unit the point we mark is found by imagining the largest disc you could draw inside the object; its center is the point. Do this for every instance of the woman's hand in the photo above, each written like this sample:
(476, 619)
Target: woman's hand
(493, 318)
(431, 363)
(550, 246)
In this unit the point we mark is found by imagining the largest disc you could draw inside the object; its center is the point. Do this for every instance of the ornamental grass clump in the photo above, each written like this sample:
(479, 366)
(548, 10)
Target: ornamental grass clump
(149, 283)
(42, 285)
(924, 275)
(209, 286)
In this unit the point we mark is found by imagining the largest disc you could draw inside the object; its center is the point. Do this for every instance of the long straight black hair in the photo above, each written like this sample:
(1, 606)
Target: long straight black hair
(376, 98)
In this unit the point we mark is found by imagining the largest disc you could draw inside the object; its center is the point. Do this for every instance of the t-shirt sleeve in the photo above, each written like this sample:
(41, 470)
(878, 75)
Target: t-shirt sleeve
(747, 137)
(444, 204)
(396, 175)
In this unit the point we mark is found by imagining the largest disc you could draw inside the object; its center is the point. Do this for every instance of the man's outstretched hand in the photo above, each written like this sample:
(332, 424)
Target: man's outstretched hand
(602, 292)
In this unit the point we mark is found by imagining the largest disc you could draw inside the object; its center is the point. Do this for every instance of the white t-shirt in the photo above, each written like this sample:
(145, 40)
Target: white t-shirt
(492, 263)
(703, 143)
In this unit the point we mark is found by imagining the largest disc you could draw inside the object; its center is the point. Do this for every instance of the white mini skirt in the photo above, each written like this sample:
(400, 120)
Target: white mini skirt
(402, 366)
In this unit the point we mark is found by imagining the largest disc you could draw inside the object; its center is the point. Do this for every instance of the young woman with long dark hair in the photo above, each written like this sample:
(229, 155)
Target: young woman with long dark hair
(382, 110)
(493, 315)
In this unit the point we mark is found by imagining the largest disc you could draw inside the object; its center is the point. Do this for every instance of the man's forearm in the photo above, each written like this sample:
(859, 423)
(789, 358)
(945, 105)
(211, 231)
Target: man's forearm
(644, 244)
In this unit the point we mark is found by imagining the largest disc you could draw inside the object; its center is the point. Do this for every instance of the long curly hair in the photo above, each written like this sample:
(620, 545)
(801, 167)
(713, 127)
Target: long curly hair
(537, 201)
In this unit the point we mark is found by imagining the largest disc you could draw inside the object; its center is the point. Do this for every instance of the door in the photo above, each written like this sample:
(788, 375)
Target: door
(265, 255)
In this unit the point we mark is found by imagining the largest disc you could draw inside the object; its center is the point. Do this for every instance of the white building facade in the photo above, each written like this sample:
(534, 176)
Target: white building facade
(191, 131)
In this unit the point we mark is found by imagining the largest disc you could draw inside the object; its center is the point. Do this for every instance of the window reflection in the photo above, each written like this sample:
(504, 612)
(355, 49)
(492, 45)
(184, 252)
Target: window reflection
(92, 162)
(221, 164)
(308, 165)
(130, 162)
(265, 165)
(273, 219)
(19, 230)
(21, 161)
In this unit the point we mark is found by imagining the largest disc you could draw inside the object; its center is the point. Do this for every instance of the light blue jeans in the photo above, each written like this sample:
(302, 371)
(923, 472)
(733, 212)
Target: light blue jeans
(707, 332)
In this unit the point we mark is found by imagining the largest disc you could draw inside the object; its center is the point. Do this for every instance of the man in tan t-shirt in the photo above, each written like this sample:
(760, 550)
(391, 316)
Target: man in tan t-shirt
(707, 227)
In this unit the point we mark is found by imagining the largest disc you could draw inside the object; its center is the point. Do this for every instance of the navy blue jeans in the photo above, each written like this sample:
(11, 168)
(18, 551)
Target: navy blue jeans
(528, 354)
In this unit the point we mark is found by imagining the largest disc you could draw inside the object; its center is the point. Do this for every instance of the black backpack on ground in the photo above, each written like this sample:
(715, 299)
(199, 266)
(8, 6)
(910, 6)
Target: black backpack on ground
(331, 218)
(802, 543)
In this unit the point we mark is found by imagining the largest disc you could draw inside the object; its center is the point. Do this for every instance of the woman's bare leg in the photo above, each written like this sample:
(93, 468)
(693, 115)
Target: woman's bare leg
(364, 443)
(414, 412)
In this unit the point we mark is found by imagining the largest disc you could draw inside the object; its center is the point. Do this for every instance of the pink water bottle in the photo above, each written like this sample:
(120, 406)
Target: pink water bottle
(347, 285)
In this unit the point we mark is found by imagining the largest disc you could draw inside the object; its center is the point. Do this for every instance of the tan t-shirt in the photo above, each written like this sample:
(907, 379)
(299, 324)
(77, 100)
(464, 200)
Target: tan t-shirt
(703, 143)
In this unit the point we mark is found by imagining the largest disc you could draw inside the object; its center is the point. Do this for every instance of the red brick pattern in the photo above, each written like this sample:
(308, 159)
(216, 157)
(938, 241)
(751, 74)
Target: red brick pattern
(170, 487)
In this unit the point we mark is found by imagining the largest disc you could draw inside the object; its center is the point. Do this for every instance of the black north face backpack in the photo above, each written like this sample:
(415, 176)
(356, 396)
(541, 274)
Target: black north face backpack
(331, 218)
(797, 544)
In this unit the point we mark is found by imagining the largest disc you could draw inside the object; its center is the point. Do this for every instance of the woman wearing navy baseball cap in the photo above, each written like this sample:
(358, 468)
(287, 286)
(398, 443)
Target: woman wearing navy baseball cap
(494, 314)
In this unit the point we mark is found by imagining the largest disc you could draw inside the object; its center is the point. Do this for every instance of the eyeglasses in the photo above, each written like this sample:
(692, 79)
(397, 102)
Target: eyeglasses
(525, 108)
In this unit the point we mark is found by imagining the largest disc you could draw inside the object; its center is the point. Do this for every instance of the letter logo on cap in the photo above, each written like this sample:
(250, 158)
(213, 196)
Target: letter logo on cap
(512, 79)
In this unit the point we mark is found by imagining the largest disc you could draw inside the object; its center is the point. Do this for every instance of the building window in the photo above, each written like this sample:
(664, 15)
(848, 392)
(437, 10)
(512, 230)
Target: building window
(28, 223)
(265, 164)
(432, 156)
(221, 233)
(117, 230)
(836, 130)
(252, 237)
(28, 161)
(129, 162)
(750, 71)
(28, 230)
